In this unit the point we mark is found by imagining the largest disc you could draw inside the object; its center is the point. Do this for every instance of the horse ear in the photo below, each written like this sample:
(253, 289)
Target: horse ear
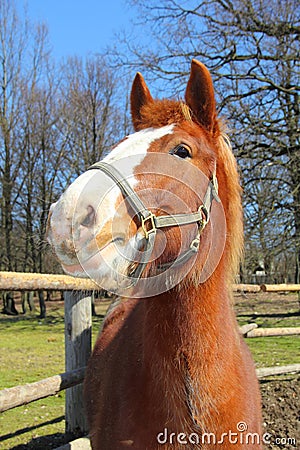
(140, 96)
(200, 97)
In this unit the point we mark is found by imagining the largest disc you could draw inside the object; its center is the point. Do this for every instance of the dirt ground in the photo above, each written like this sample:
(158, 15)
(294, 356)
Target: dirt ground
(281, 412)
(280, 395)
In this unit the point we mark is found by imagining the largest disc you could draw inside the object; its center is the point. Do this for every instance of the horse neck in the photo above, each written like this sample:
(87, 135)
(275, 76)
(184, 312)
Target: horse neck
(191, 320)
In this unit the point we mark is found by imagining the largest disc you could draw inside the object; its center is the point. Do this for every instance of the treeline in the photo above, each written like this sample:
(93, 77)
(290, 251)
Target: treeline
(58, 118)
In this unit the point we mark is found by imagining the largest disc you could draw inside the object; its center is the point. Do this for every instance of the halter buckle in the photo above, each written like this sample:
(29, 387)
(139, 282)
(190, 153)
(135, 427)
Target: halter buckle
(203, 210)
(150, 220)
(194, 246)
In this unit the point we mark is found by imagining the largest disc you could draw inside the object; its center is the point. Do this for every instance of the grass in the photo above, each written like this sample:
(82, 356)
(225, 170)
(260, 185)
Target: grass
(275, 351)
(32, 349)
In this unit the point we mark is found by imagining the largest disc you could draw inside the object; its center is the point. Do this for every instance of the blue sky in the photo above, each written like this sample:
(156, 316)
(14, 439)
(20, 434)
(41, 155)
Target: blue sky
(79, 27)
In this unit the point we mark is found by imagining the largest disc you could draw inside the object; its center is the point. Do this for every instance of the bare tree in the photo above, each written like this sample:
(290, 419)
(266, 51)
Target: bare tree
(90, 116)
(44, 153)
(13, 35)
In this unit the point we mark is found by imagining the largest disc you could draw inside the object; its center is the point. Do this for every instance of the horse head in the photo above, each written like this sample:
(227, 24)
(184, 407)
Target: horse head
(151, 210)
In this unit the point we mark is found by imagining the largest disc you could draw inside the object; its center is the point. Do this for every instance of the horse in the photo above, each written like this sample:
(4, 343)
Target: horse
(169, 369)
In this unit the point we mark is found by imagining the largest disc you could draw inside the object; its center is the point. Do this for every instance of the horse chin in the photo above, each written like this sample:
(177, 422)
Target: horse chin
(109, 268)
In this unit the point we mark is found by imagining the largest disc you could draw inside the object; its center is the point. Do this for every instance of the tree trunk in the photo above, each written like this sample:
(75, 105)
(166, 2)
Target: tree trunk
(27, 299)
(42, 304)
(9, 305)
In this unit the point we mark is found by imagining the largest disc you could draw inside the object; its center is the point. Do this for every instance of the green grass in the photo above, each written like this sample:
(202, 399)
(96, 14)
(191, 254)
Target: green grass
(32, 349)
(275, 351)
(27, 424)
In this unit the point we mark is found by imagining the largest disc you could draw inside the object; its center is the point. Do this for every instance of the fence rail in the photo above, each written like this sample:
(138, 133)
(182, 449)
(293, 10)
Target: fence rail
(19, 281)
(280, 287)
(278, 370)
(30, 392)
(78, 343)
(251, 330)
(246, 288)
(266, 288)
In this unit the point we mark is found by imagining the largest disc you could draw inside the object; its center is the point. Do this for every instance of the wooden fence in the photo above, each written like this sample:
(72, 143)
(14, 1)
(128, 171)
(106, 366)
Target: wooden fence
(78, 333)
(78, 340)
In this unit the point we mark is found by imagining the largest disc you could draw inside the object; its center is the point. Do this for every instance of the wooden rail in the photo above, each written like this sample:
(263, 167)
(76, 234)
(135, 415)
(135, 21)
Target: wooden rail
(246, 288)
(18, 281)
(266, 288)
(30, 392)
(251, 330)
(280, 287)
(79, 444)
(262, 332)
(21, 395)
(280, 370)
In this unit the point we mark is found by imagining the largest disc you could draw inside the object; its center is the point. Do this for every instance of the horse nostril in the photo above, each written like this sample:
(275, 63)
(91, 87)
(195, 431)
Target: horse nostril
(89, 219)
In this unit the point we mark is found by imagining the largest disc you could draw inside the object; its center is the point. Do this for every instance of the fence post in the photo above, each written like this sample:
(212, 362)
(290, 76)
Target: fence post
(78, 339)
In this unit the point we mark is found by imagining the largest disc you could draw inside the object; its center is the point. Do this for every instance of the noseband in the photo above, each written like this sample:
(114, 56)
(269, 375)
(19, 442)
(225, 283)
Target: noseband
(150, 223)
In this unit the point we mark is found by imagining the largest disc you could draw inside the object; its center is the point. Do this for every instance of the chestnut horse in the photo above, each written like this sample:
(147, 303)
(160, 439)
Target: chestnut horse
(169, 369)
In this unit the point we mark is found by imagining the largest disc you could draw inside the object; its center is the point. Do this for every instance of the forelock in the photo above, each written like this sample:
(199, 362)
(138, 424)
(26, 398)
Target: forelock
(160, 113)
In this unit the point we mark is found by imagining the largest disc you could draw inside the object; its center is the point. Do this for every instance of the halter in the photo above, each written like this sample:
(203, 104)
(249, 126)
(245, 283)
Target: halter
(150, 223)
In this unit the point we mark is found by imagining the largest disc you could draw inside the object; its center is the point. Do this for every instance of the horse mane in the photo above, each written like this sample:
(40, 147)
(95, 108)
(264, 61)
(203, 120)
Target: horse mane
(231, 199)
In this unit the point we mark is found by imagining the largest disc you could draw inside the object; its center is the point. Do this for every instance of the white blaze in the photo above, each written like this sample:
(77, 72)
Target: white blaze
(137, 143)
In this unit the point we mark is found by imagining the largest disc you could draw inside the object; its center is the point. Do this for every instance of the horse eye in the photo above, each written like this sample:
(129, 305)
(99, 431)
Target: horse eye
(182, 151)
